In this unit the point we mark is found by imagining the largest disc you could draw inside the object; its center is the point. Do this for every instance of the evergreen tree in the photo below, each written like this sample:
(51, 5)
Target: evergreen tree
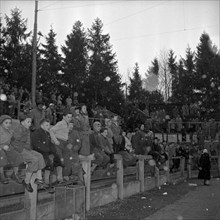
(188, 79)
(174, 74)
(104, 82)
(207, 75)
(16, 50)
(75, 60)
(3, 62)
(135, 88)
(49, 80)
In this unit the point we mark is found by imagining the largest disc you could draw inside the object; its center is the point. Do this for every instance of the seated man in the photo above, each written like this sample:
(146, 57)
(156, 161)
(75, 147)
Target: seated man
(59, 136)
(21, 142)
(73, 169)
(106, 145)
(101, 158)
(41, 142)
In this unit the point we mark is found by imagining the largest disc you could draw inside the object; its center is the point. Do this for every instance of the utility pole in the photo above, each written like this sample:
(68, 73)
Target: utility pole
(34, 57)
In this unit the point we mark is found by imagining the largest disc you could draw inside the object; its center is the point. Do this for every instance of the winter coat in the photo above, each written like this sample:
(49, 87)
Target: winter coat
(204, 167)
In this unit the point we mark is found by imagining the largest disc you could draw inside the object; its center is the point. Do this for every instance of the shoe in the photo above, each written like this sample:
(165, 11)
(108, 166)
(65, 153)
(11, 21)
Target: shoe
(16, 178)
(3, 179)
(27, 186)
(38, 181)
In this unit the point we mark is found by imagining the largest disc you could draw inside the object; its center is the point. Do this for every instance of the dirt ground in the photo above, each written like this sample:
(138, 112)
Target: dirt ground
(144, 204)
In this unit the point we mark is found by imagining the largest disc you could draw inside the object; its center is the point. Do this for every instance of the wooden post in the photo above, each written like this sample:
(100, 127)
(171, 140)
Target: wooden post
(157, 176)
(120, 173)
(182, 165)
(141, 173)
(140, 169)
(189, 168)
(86, 165)
(31, 201)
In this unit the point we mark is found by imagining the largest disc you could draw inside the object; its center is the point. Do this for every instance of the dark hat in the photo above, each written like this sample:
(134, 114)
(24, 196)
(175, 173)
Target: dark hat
(39, 103)
(4, 117)
(23, 116)
(77, 107)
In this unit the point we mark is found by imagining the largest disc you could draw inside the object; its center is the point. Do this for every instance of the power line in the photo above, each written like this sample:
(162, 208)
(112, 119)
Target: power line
(138, 12)
(166, 32)
(48, 5)
(81, 6)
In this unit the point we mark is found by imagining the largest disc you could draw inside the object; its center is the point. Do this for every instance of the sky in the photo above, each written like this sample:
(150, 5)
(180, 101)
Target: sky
(139, 30)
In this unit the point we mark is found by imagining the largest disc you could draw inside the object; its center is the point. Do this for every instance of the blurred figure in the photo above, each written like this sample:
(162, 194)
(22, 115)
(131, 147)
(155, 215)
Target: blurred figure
(204, 167)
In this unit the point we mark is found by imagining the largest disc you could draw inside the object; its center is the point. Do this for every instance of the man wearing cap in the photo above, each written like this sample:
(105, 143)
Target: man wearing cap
(41, 142)
(21, 143)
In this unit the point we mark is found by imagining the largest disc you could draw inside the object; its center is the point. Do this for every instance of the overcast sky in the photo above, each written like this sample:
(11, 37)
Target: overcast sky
(138, 30)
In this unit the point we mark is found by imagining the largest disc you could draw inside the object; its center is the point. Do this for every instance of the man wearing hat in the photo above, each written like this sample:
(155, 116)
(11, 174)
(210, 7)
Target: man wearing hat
(22, 144)
(7, 152)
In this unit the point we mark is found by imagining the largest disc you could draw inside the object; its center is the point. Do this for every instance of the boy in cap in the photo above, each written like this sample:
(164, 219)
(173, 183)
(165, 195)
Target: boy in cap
(35, 161)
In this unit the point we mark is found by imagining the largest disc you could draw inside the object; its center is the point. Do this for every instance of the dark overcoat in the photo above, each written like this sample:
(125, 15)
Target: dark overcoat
(205, 166)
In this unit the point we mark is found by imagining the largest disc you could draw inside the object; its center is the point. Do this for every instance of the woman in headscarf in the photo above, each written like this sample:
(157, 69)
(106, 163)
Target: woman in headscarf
(204, 167)
(7, 153)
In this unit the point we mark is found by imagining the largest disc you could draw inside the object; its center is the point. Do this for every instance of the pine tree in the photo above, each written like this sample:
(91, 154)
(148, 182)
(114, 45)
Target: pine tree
(207, 75)
(174, 74)
(17, 49)
(76, 61)
(49, 80)
(188, 79)
(104, 82)
(135, 88)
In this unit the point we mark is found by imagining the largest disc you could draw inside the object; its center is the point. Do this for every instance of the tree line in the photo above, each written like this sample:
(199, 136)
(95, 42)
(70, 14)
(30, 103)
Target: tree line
(88, 65)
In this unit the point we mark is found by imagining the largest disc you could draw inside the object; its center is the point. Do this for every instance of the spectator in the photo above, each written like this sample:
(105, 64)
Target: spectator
(41, 142)
(73, 169)
(7, 152)
(85, 130)
(138, 141)
(37, 114)
(204, 167)
(21, 143)
(110, 135)
(116, 129)
(129, 159)
(101, 158)
(50, 114)
(59, 134)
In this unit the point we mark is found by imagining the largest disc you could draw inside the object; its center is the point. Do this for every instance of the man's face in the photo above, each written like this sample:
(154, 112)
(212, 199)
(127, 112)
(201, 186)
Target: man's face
(6, 123)
(45, 126)
(77, 111)
(84, 109)
(97, 127)
(105, 133)
(27, 123)
(68, 118)
(40, 107)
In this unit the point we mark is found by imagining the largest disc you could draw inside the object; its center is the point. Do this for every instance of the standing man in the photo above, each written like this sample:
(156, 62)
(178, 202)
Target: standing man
(116, 129)
(37, 114)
